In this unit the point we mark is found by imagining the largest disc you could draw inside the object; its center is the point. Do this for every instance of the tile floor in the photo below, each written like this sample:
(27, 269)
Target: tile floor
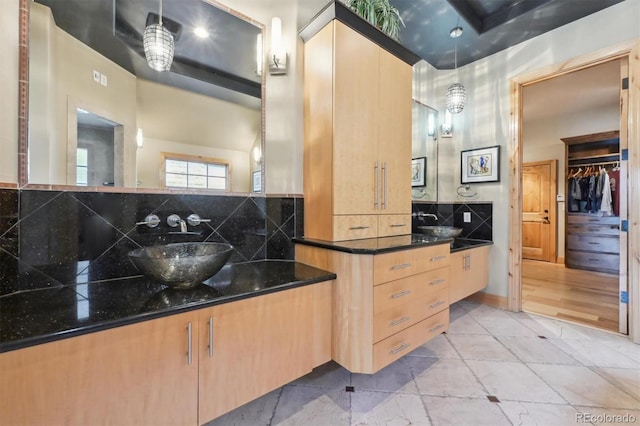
(541, 372)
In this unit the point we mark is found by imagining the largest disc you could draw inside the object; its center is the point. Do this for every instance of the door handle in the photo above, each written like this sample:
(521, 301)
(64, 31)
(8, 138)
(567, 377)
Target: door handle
(210, 337)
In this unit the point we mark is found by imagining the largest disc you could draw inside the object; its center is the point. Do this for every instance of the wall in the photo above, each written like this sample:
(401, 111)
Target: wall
(50, 238)
(9, 89)
(541, 140)
(485, 119)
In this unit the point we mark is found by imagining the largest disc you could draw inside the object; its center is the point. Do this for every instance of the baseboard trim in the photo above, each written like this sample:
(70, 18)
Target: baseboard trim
(560, 260)
(501, 302)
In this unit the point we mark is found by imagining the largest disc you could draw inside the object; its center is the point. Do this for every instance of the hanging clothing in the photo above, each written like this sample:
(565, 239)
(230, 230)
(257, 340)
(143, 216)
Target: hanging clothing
(614, 180)
(606, 204)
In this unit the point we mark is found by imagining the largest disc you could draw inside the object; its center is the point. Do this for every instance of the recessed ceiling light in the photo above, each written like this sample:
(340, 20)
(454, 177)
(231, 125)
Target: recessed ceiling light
(201, 32)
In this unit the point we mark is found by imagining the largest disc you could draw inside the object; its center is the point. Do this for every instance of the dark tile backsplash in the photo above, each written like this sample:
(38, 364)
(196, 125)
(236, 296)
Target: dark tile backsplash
(54, 238)
(451, 214)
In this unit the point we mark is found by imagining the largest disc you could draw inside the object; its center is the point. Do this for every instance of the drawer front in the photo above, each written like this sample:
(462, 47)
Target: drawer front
(399, 264)
(398, 345)
(592, 261)
(354, 227)
(602, 244)
(394, 224)
(400, 292)
(594, 229)
(592, 220)
(400, 317)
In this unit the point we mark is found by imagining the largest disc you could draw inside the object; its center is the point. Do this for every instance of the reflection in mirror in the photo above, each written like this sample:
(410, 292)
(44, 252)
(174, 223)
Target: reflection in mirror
(89, 83)
(425, 144)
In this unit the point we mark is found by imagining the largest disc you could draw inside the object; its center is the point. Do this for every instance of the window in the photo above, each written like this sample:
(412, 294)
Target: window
(82, 167)
(195, 172)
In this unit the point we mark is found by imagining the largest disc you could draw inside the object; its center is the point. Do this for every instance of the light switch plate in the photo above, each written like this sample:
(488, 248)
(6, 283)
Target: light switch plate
(103, 79)
(96, 76)
(466, 217)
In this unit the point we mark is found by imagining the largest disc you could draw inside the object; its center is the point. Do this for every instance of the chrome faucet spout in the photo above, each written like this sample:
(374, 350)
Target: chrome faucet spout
(422, 215)
(183, 226)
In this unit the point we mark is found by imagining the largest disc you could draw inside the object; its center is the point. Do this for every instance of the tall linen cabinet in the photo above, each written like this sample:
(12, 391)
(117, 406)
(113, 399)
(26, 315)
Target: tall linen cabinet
(357, 148)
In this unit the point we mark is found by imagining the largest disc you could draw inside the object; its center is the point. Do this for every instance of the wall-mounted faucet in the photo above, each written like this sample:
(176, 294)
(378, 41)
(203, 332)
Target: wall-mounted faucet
(422, 215)
(151, 220)
(174, 220)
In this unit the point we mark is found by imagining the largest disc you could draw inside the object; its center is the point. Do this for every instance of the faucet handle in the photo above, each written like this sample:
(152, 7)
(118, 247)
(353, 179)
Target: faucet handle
(173, 220)
(151, 221)
(195, 220)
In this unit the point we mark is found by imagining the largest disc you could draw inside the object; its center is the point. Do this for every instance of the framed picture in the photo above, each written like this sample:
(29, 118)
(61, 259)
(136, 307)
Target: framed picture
(480, 165)
(257, 181)
(418, 171)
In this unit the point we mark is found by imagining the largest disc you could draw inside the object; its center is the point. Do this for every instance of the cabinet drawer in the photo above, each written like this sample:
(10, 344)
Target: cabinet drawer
(592, 220)
(354, 227)
(594, 229)
(396, 293)
(399, 264)
(592, 261)
(390, 349)
(394, 224)
(602, 244)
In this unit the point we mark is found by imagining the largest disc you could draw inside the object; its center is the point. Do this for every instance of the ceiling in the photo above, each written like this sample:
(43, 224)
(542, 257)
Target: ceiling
(489, 26)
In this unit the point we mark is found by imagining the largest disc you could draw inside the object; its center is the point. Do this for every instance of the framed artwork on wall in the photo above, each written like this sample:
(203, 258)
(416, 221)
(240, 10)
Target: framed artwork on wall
(480, 165)
(418, 171)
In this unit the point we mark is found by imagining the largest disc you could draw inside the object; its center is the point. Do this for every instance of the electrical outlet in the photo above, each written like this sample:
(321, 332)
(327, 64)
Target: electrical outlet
(466, 217)
(103, 79)
(96, 76)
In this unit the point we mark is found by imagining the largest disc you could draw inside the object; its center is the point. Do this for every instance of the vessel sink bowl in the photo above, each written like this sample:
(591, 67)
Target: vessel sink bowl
(181, 265)
(440, 231)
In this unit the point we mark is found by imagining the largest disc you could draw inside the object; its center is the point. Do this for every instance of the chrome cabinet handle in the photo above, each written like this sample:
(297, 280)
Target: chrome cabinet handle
(376, 184)
(210, 337)
(435, 305)
(437, 327)
(189, 354)
(399, 321)
(399, 295)
(438, 281)
(355, 228)
(594, 244)
(434, 259)
(396, 225)
(399, 348)
(469, 261)
(384, 185)
(402, 266)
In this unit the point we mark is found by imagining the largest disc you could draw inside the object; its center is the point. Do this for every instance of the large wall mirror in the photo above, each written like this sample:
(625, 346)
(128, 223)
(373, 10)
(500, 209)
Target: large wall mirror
(100, 116)
(424, 151)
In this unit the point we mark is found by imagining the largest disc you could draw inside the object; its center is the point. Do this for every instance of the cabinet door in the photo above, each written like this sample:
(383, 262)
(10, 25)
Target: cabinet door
(136, 374)
(395, 133)
(356, 169)
(469, 272)
(251, 347)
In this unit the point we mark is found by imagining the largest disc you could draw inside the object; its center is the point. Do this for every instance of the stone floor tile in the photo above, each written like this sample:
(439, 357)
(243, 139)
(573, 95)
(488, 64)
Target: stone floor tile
(445, 377)
(481, 347)
(607, 416)
(310, 406)
(396, 377)
(466, 325)
(590, 352)
(531, 413)
(329, 375)
(581, 386)
(255, 413)
(535, 349)
(438, 347)
(464, 412)
(623, 378)
(387, 409)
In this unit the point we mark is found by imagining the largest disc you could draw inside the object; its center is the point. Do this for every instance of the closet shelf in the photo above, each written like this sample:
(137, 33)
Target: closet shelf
(612, 157)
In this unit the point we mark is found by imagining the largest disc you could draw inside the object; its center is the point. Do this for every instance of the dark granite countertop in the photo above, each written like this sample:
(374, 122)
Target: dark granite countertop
(39, 316)
(460, 244)
(376, 245)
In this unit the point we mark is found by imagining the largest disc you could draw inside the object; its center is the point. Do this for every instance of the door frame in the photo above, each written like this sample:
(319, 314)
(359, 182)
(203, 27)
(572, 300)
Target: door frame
(631, 51)
(553, 206)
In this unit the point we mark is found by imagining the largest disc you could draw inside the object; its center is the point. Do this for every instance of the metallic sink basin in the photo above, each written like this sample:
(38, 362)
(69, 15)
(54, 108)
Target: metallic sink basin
(181, 265)
(440, 231)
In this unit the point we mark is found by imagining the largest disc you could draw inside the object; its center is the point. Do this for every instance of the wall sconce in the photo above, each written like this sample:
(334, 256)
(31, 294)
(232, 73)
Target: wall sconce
(257, 154)
(431, 125)
(277, 55)
(447, 127)
(139, 138)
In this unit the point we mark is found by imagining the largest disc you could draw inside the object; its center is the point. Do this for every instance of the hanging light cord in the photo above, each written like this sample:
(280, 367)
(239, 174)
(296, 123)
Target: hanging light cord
(455, 45)
(160, 19)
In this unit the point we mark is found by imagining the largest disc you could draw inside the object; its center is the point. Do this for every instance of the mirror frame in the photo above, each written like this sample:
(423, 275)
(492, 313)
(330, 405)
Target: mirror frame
(23, 118)
(436, 140)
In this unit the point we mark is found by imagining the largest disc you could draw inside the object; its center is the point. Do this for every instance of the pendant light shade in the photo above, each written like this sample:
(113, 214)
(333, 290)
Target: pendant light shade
(158, 45)
(456, 98)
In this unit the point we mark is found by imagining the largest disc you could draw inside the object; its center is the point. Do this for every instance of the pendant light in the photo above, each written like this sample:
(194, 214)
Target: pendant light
(158, 45)
(456, 93)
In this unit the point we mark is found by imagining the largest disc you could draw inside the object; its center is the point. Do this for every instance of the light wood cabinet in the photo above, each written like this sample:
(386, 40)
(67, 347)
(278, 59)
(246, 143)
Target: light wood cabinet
(136, 374)
(384, 305)
(469, 272)
(166, 371)
(357, 148)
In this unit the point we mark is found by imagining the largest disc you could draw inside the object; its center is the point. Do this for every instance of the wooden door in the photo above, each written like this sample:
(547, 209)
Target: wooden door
(395, 134)
(538, 211)
(258, 345)
(136, 374)
(356, 169)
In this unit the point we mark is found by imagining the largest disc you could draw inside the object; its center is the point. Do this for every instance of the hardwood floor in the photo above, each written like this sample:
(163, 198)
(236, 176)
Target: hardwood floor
(583, 297)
